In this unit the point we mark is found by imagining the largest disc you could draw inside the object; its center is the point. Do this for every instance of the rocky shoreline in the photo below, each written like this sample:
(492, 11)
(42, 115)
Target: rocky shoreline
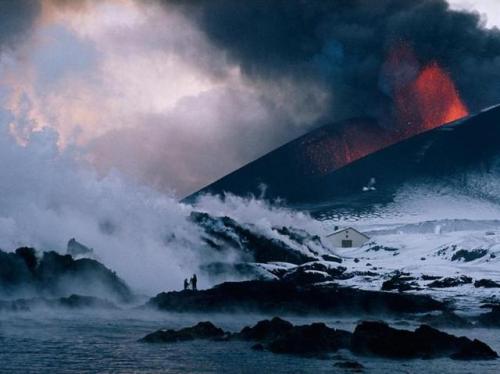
(282, 297)
(369, 338)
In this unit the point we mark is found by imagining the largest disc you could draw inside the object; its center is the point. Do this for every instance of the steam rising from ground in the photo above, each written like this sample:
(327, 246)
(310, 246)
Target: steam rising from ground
(48, 197)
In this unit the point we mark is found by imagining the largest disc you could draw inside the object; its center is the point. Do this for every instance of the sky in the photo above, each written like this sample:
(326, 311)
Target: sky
(174, 95)
(490, 9)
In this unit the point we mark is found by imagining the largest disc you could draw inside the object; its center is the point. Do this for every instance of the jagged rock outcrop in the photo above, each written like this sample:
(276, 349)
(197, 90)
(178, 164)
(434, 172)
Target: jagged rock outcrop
(203, 330)
(400, 282)
(486, 283)
(450, 282)
(222, 233)
(28, 273)
(379, 339)
(75, 248)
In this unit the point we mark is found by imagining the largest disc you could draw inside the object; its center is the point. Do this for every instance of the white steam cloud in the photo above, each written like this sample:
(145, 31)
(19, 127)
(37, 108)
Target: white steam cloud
(48, 197)
(139, 88)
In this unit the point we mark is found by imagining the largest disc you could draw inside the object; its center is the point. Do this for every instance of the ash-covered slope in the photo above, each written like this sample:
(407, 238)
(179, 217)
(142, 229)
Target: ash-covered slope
(333, 163)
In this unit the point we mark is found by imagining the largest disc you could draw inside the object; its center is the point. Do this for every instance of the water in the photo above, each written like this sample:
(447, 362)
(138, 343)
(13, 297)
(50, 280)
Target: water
(107, 343)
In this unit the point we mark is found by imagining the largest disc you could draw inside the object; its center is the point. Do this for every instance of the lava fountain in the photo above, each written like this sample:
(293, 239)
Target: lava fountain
(430, 101)
(423, 98)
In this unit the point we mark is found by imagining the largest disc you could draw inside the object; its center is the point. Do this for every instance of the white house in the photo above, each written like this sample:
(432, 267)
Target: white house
(347, 237)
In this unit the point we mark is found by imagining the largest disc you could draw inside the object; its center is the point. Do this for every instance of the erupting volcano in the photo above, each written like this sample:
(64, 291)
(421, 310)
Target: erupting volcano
(335, 162)
(423, 99)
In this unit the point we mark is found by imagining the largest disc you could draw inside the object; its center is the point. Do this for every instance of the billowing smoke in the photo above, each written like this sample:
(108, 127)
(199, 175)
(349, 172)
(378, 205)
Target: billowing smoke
(16, 20)
(161, 89)
(345, 44)
(143, 90)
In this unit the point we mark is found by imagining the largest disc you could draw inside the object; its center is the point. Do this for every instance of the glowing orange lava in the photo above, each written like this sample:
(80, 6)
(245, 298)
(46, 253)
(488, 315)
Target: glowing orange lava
(430, 101)
(424, 98)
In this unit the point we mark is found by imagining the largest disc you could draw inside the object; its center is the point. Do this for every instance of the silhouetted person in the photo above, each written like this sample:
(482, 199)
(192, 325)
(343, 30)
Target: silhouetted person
(186, 284)
(194, 282)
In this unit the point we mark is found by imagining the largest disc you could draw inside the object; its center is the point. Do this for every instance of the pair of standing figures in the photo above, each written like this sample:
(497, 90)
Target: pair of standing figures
(191, 284)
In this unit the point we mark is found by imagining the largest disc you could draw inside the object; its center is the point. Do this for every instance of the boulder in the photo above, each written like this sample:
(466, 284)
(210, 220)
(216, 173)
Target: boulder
(469, 255)
(265, 330)
(313, 339)
(203, 330)
(378, 339)
(280, 336)
(450, 282)
(400, 282)
(486, 283)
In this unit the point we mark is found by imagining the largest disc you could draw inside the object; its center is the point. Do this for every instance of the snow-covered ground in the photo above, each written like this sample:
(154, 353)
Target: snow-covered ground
(427, 250)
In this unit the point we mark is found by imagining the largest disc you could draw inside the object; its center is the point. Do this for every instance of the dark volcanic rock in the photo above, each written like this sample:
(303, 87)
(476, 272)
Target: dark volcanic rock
(378, 247)
(469, 255)
(486, 283)
(311, 339)
(450, 282)
(378, 339)
(280, 336)
(400, 282)
(445, 319)
(203, 330)
(331, 258)
(53, 275)
(265, 330)
(315, 272)
(430, 277)
(490, 319)
(280, 297)
(319, 340)
(75, 248)
(225, 232)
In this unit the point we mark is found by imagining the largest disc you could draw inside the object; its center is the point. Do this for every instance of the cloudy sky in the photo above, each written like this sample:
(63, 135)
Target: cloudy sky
(489, 9)
(176, 94)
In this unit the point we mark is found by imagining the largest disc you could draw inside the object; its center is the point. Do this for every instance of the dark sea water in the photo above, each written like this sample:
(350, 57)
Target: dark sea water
(68, 342)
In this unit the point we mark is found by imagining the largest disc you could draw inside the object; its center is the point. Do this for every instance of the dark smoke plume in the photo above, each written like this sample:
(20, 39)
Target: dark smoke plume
(344, 44)
(16, 19)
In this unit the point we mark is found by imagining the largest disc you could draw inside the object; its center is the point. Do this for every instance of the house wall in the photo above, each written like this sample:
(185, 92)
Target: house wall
(357, 239)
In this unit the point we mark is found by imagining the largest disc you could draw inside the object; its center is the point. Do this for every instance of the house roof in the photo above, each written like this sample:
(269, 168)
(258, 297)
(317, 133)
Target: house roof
(345, 229)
